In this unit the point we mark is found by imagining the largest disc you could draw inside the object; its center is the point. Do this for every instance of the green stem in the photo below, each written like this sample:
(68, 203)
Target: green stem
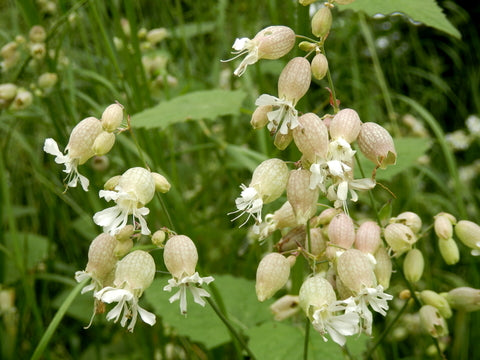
(232, 330)
(307, 338)
(330, 84)
(367, 34)
(47, 336)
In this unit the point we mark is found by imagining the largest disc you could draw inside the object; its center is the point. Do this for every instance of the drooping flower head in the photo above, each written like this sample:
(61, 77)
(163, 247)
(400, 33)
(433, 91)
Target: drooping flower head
(180, 257)
(133, 274)
(135, 189)
(272, 43)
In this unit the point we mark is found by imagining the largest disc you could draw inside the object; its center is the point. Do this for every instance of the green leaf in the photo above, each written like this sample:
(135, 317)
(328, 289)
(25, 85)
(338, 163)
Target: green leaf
(243, 157)
(408, 152)
(199, 105)
(265, 345)
(33, 249)
(189, 30)
(202, 324)
(425, 11)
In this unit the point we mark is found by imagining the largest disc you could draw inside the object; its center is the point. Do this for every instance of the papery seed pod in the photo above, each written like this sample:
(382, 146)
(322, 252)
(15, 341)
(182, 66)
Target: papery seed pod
(259, 116)
(112, 117)
(443, 226)
(270, 179)
(301, 197)
(294, 80)
(316, 292)
(432, 322)
(293, 239)
(101, 259)
(82, 137)
(468, 233)
(311, 137)
(341, 231)
(103, 143)
(138, 181)
(345, 124)
(180, 256)
(318, 242)
(274, 41)
(37, 34)
(281, 141)
(383, 268)
(464, 298)
(161, 183)
(319, 66)
(7, 92)
(272, 274)
(430, 297)
(368, 237)
(449, 251)
(158, 237)
(377, 144)
(355, 270)
(400, 238)
(47, 80)
(413, 265)
(412, 220)
(284, 307)
(322, 21)
(135, 272)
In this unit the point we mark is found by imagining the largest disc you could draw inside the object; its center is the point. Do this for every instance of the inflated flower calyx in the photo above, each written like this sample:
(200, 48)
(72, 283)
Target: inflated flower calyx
(368, 237)
(377, 145)
(409, 218)
(341, 234)
(125, 234)
(413, 265)
(22, 100)
(112, 117)
(37, 34)
(311, 137)
(272, 274)
(158, 237)
(47, 80)
(318, 242)
(112, 182)
(103, 143)
(155, 36)
(281, 141)
(383, 268)
(429, 297)
(449, 251)
(316, 292)
(8, 92)
(301, 197)
(82, 137)
(464, 298)
(432, 322)
(284, 307)
(443, 226)
(294, 80)
(161, 183)
(123, 248)
(319, 66)
(346, 124)
(270, 179)
(468, 233)
(399, 237)
(293, 239)
(355, 270)
(322, 21)
(259, 116)
(180, 256)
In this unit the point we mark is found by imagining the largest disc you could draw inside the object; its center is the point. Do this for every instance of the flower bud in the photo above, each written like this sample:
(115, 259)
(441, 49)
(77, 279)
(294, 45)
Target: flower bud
(311, 137)
(307, 46)
(400, 238)
(368, 237)
(443, 227)
(432, 322)
(430, 297)
(412, 220)
(259, 116)
(377, 145)
(355, 270)
(301, 197)
(125, 233)
(7, 92)
(272, 274)
(47, 80)
(158, 238)
(345, 124)
(274, 42)
(468, 233)
(37, 34)
(161, 183)
(103, 143)
(82, 137)
(155, 36)
(383, 268)
(319, 66)
(281, 141)
(22, 100)
(112, 117)
(413, 265)
(284, 307)
(180, 256)
(123, 248)
(449, 251)
(270, 179)
(464, 298)
(322, 21)
(294, 80)
(316, 292)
